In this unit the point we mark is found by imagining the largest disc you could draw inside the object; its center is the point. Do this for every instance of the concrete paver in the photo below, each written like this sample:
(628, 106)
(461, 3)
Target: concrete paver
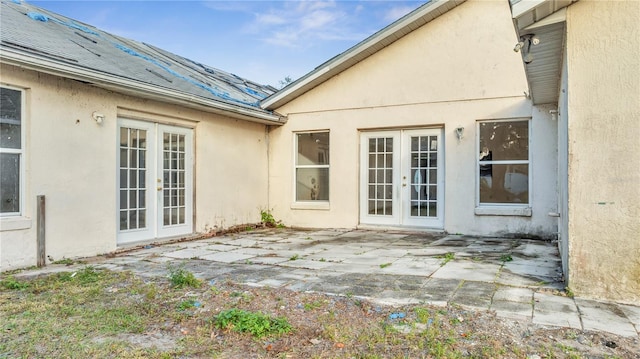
(393, 268)
(468, 270)
(555, 311)
(474, 295)
(600, 316)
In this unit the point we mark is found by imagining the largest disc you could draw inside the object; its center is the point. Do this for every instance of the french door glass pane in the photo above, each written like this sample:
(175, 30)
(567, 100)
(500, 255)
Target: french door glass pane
(132, 178)
(423, 176)
(380, 193)
(173, 175)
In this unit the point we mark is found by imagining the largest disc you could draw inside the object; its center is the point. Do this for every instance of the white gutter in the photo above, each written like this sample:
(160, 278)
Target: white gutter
(119, 84)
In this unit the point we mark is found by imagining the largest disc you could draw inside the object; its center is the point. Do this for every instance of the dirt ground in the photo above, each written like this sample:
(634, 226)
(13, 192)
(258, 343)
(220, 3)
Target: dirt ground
(120, 315)
(347, 327)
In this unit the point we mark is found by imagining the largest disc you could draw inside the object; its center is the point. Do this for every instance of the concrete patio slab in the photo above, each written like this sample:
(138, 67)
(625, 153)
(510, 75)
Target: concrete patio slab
(226, 257)
(468, 270)
(555, 311)
(394, 268)
(187, 253)
(474, 295)
(600, 316)
(633, 313)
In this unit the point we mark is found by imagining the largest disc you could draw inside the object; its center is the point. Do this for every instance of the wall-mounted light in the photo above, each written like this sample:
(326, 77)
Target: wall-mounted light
(98, 117)
(459, 132)
(525, 45)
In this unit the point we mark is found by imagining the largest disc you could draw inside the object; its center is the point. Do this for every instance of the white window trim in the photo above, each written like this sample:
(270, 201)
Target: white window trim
(313, 205)
(18, 221)
(503, 209)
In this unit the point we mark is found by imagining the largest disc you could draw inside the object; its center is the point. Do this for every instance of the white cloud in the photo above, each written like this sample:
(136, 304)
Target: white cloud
(298, 24)
(397, 12)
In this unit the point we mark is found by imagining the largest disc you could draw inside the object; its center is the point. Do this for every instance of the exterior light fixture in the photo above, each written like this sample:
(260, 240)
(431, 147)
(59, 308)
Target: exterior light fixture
(525, 46)
(98, 117)
(459, 132)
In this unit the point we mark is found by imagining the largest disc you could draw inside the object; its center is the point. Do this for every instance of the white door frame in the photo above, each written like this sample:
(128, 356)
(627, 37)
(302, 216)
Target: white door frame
(390, 193)
(150, 204)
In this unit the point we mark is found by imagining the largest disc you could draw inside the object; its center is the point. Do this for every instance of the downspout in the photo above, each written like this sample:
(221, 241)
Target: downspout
(268, 143)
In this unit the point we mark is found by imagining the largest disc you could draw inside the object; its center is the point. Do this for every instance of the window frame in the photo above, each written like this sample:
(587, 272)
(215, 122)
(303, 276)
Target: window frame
(309, 204)
(517, 209)
(20, 152)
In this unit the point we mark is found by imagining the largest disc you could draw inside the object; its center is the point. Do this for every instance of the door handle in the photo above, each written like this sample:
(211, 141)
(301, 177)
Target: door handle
(159, 188)
(404, 185)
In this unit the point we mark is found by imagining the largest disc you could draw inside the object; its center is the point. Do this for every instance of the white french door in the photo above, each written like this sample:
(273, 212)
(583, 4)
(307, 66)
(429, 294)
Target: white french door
(155, 181)
(402, 178)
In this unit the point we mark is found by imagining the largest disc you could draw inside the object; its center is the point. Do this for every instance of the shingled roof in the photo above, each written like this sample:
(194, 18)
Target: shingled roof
(34, 38)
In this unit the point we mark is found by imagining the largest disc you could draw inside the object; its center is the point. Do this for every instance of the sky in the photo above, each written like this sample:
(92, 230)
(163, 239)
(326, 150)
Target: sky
(263, 41)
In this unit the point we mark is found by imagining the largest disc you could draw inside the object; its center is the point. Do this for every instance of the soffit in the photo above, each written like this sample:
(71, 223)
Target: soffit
(544, 20)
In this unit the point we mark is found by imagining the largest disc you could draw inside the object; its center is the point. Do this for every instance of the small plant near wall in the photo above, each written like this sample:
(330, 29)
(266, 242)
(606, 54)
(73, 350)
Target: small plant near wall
(268, 220)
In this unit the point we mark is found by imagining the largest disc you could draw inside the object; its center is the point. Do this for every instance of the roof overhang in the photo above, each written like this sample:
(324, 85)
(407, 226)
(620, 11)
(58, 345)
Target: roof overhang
(540, 25)
(135, 88)
(361, 51)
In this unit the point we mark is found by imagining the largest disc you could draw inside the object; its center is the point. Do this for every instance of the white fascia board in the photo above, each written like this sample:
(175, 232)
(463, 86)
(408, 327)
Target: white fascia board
(101, 79)
(524, 7)
(361, 47)
(556, 17)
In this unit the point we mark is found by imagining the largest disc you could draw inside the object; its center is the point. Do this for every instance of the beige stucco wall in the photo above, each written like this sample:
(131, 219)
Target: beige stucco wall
(72, 161)
(603, 50)
(452, 72)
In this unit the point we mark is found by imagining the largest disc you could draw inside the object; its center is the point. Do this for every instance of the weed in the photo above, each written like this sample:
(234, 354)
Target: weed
(255, 323)
(294, 257)
(385, 265)
(313, 305)
(180, 278)
(446, 258)
(322, 260)
(13, 284)
(65, 261)
(87, 275)
(569, 292)
(188, 304)
(422, 315)
(506, 258)
(248, 228)
(244, 296)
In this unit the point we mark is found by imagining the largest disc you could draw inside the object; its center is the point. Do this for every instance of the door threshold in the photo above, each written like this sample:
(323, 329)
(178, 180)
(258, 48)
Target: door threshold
(377, 227)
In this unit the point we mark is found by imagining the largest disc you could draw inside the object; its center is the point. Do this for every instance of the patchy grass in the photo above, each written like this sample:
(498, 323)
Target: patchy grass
(93, 313)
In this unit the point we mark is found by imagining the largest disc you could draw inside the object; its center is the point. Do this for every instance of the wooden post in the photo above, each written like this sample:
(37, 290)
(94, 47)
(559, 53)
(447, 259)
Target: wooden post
(42, 253)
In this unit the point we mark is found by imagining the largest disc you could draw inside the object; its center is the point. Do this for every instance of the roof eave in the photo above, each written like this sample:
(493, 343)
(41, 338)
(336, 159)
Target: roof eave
(543, 19)
(360, 51)
(132, 87)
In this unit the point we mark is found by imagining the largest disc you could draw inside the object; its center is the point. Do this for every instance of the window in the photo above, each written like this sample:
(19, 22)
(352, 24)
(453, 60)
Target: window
(312, 166)
(503, 162)
(10, 151)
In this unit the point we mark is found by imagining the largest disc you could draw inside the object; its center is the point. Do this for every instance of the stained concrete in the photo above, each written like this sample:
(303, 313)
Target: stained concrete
(516, 278)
